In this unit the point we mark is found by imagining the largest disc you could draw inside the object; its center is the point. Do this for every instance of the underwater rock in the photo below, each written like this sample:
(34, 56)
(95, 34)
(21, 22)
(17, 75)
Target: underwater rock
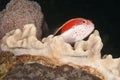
(54, 50)
(35, 71)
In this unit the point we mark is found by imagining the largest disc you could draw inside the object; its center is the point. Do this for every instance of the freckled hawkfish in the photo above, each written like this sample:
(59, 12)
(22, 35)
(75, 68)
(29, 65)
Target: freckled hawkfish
(76, 29)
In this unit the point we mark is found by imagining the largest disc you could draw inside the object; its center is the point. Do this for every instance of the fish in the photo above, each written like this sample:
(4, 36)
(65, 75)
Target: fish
(75, 29)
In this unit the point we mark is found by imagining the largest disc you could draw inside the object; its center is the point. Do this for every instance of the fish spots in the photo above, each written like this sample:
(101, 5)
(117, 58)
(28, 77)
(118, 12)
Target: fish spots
(76, 29)
(79, 31)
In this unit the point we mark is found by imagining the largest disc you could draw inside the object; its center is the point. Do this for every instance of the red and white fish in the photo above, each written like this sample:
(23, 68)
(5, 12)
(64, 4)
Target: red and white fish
(76, 29)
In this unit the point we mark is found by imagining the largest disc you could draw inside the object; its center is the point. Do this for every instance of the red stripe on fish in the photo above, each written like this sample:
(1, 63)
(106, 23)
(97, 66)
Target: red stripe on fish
(73, 22)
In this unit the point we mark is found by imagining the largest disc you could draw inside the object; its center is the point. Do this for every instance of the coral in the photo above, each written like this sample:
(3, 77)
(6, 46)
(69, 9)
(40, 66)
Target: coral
(21, 12)
(18, 40)
(54, 50)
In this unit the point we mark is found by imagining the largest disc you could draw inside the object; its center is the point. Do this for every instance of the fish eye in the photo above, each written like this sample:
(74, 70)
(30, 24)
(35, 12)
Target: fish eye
(84, 21)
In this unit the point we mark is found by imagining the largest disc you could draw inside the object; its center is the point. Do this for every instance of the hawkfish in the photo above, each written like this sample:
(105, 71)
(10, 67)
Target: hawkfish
(75, 29)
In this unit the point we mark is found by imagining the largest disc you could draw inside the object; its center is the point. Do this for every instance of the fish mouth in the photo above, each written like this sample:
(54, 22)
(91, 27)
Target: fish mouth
(90, 26)
(88, 22)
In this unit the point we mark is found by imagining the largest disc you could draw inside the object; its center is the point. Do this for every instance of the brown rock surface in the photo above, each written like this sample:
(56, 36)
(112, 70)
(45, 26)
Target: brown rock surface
(17, 68)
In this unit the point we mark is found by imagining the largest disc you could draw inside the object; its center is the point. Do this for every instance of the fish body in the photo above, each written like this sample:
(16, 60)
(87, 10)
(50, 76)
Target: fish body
(76, 29)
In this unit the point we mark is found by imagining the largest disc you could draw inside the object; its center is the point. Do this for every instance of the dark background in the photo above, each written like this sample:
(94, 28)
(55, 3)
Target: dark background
(105, 14)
